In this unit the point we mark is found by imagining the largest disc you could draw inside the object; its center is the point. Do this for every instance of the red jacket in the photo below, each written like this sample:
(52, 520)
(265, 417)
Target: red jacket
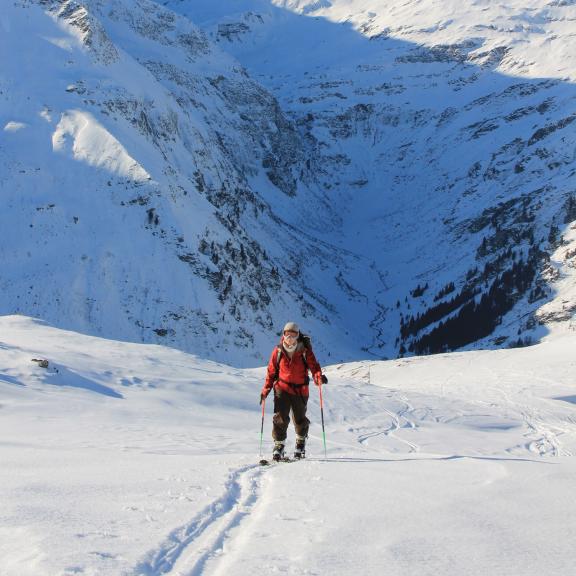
(292, 373)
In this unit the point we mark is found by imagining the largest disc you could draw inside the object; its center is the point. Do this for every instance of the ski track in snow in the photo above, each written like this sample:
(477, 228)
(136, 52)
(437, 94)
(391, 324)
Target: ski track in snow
(543, 431)
(543, 437)
(398, 420)
(188, 548)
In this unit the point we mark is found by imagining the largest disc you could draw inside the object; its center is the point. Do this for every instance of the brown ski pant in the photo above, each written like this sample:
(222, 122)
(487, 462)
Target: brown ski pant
(283, 403)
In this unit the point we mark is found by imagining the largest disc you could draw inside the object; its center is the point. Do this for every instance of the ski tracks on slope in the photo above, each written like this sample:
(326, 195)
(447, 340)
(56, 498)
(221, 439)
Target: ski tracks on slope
(383, 413)
(187, 549)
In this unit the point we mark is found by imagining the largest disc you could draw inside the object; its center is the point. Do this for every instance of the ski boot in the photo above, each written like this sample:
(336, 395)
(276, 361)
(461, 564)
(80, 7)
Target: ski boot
(278, 452)
(300, 450)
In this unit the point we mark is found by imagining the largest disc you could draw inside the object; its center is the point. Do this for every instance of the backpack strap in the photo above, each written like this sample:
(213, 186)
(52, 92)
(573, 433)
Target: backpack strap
(277, 366)
(305, 361)
(307, 344)
(278, 356)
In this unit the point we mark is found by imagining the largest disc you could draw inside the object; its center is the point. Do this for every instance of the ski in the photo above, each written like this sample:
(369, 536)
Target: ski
(286, 460)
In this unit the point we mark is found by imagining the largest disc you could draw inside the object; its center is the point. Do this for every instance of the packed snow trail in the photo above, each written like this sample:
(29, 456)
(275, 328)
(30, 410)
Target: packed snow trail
(136, 460)
(187, 549)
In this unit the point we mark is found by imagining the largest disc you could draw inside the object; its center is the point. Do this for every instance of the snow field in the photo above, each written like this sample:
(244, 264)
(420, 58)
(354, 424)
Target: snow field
(127, 459)
(406, 516)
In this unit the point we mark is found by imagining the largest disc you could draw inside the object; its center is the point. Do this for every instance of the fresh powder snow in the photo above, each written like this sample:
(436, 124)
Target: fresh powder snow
(133, 459)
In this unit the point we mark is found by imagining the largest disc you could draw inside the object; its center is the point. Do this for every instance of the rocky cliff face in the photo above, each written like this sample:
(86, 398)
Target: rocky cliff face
(397, 179)
(153, 189)
(446, 134)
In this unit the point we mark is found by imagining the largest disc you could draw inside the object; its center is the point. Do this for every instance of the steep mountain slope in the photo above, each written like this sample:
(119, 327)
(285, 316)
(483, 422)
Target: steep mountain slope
(151, 189)
(446, 130)
(395, 178)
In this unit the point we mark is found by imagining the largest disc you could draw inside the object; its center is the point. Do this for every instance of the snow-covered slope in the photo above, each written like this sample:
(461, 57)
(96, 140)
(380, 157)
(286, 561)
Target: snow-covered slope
(131, 459)
(446, 134)
(151, 190)
(393, 177)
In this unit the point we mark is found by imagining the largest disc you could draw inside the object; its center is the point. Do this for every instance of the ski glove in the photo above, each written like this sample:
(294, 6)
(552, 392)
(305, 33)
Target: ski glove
(262, 397)
(319, 378)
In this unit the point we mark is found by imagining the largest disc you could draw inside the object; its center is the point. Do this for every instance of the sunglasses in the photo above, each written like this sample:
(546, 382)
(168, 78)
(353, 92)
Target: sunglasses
(291, 335)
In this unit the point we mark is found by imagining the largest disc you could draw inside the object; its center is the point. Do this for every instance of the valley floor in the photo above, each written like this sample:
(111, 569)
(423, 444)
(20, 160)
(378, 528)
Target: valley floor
(125, 459)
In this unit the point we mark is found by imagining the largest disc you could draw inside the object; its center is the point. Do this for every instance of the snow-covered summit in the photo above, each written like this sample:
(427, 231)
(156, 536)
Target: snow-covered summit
(525, 39)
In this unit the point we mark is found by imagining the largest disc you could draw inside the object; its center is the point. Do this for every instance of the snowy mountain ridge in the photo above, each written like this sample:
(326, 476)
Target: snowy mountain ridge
(197, 176)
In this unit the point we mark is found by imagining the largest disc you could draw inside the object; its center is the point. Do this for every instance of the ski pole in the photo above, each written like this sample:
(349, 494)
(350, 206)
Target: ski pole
(322, 417)
(262, 427)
